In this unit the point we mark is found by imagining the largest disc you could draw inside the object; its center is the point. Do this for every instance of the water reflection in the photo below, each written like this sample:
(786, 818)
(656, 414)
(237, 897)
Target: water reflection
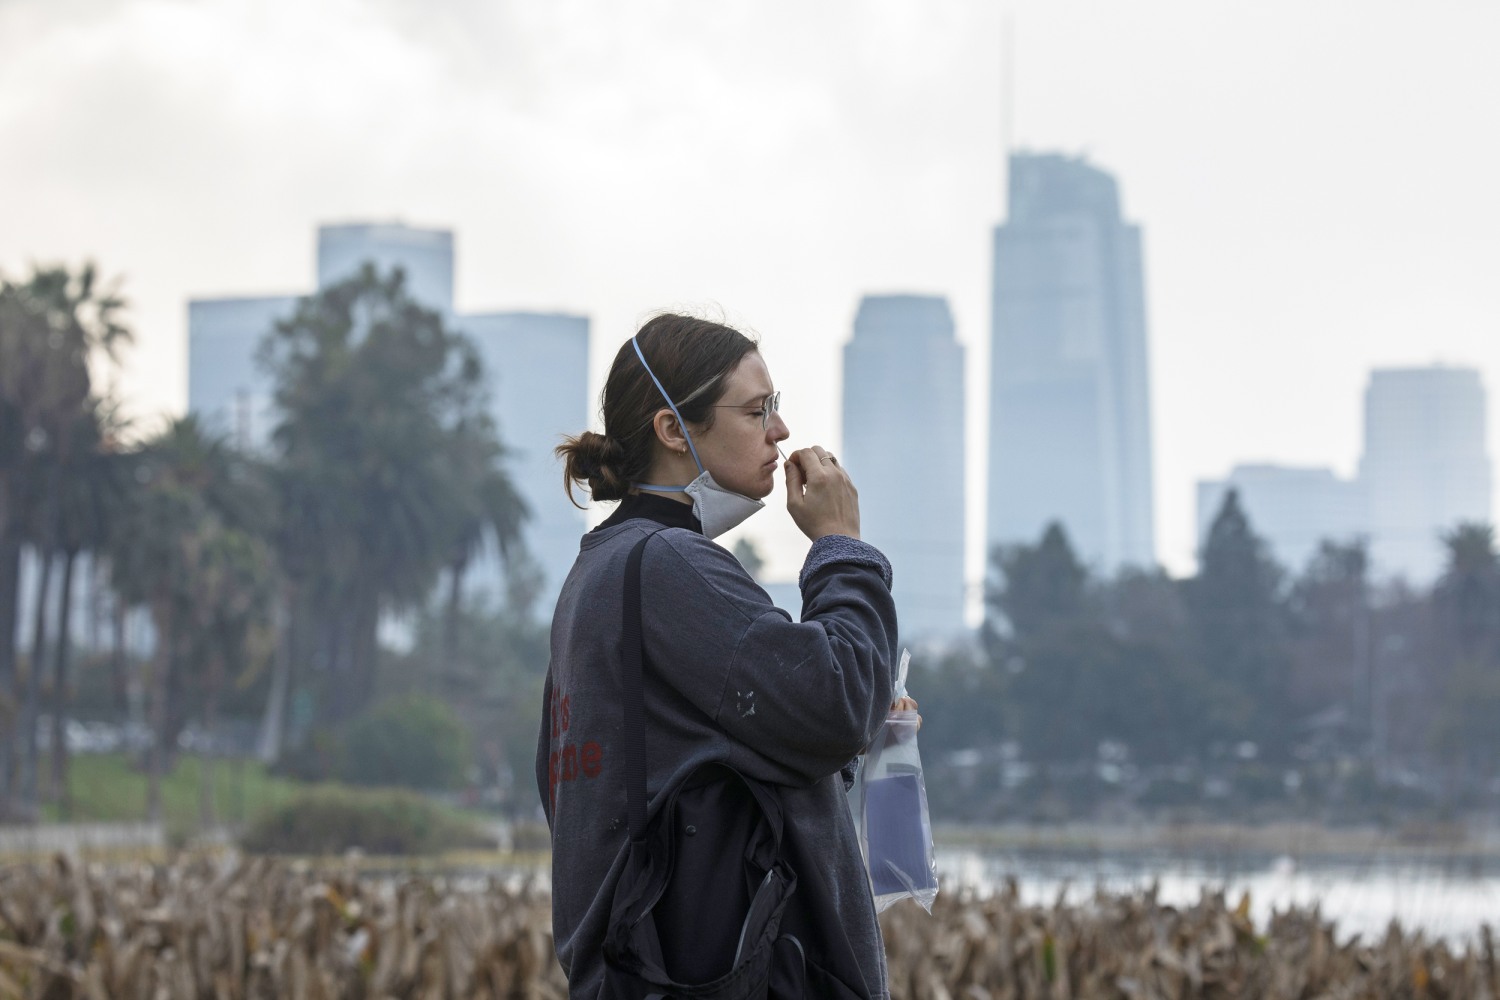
(1448, 897)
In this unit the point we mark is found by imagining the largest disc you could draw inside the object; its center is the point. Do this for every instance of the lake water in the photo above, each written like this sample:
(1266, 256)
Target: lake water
(1441, 896)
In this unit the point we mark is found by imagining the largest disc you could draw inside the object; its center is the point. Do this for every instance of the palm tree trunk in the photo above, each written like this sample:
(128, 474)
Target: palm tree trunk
(119, 678)
(10, 577)
(450, 622)
(31, 709)
(162, 661)
(206, 819)
(365, 650)
(273, 723)
(60, 695)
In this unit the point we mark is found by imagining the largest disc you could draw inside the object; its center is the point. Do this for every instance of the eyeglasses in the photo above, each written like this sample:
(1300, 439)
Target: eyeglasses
(771, 404)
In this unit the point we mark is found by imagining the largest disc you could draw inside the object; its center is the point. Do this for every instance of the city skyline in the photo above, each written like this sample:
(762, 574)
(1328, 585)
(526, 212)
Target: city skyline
(1303, 226)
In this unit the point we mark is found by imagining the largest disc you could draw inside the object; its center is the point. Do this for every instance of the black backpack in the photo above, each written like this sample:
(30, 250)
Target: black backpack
(698, 907)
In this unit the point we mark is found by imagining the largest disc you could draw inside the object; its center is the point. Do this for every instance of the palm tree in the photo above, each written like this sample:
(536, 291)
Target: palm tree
(233, 576)
(493, 511)
(95, 483)
(378, 401)
(187, 487)
(51, 326)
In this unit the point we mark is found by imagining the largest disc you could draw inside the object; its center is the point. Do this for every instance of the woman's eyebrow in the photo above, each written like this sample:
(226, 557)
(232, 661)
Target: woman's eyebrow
(756, 400)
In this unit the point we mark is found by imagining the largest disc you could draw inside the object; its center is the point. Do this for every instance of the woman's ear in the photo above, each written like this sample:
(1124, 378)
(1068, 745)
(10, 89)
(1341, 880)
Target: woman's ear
(669, 431)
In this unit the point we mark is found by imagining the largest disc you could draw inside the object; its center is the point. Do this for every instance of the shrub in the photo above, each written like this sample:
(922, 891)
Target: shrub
(319, 757)
(413, 741)
(331, 820)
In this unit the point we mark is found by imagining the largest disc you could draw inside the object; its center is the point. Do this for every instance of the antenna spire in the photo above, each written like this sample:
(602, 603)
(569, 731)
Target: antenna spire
(1007, 101)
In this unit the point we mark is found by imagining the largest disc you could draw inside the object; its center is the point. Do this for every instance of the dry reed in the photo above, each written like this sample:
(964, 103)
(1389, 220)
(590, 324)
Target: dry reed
(266, 930)
(245, 929)
(1133, 947)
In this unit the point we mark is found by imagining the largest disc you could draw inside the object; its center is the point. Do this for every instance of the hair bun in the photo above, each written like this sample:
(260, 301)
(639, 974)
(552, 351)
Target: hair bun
(595, 461)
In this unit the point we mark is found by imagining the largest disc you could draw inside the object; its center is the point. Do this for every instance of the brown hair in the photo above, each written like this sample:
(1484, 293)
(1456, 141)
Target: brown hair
(693, 358)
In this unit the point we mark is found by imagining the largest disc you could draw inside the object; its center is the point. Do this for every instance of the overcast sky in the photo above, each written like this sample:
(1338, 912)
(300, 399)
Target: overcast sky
(1318, 181)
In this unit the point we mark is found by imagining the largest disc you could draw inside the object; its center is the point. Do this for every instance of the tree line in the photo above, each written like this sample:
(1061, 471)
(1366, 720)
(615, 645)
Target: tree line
(266, 570)
(265, 577)
(1246, 670)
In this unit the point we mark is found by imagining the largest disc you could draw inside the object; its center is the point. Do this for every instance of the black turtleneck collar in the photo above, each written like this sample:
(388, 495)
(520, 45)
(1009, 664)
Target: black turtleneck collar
(667, 513)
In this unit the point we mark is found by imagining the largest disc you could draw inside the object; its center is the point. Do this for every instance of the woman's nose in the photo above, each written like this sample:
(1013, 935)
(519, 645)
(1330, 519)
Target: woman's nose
(777, 428)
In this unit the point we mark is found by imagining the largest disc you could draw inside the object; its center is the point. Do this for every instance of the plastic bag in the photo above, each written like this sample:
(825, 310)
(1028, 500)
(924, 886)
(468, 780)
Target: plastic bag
(894, 825)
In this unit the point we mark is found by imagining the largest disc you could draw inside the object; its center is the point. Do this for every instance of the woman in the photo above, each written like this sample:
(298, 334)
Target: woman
(691, 427)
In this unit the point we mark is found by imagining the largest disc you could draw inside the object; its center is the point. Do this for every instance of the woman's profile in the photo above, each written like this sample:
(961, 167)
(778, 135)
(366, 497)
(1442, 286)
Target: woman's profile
(689, 449)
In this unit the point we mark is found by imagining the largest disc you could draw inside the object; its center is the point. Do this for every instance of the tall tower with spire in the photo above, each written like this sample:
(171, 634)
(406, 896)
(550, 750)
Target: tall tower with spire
(1070, 422)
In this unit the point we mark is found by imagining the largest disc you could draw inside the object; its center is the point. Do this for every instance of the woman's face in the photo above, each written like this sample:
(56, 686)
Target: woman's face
(739, 452)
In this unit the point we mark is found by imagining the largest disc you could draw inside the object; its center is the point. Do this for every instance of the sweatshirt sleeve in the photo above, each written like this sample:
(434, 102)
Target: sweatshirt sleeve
(798, 699)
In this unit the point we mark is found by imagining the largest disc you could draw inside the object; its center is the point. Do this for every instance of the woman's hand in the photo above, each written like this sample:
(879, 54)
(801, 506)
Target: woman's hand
(820, 495)
(907, 704)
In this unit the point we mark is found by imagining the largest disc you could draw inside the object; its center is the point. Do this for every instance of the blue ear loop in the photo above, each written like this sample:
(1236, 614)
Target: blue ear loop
(680, 422)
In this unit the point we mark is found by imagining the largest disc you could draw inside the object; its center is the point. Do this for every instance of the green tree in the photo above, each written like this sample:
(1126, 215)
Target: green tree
(96, 479)
(229, 636)
(492, 512)
(413, 741)
(748, 554)
(1035, 587)
(1331, 619)
(1047, 636)
(1162, 696)
(384, 469)
(178, 535)
(52, 326)
(1238, 618)
(1466, 612)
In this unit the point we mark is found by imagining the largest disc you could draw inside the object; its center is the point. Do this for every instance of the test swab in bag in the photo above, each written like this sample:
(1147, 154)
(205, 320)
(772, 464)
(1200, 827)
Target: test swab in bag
(891, 806)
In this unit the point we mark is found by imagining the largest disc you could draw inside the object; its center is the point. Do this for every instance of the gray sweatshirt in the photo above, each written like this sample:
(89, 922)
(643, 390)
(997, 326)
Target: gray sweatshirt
(730, 678)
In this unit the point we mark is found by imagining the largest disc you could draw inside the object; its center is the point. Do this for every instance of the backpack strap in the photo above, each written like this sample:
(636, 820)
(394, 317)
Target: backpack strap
(633, 695)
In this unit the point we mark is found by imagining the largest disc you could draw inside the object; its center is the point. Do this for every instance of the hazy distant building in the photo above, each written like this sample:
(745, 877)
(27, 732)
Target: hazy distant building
(426, 255)
(1069, 425)
(903, 443)
(1293, 509)
(538, 369)
(1426, 464)
(226, 387)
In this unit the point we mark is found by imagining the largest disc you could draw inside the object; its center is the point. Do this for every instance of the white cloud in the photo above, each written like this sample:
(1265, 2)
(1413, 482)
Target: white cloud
(1315, 181)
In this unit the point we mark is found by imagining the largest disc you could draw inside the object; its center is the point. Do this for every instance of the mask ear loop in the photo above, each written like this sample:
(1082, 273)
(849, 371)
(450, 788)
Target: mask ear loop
(662, 389)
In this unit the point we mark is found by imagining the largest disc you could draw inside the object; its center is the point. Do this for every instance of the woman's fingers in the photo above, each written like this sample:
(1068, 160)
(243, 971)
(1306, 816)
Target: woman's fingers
(820, 496)
(907, 704)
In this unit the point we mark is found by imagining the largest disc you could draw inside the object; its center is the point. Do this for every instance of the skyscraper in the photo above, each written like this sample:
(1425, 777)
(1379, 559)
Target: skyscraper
(904, 446)
(537, 365)
(1293, 509)
(226, 388)
(1426, 464)
(426, 255)
(1070, 425)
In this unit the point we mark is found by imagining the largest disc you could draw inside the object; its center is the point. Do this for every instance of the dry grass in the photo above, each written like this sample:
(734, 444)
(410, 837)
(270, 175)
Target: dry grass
(237, 928)
(1135, 947)
(265, 929)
